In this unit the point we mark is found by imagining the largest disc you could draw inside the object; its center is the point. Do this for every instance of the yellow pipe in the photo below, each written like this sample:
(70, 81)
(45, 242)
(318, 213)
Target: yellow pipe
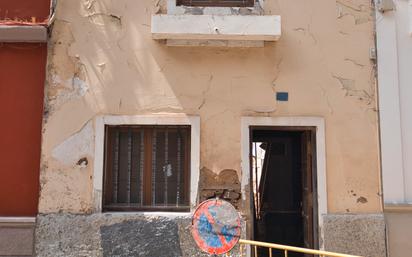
(294, 249)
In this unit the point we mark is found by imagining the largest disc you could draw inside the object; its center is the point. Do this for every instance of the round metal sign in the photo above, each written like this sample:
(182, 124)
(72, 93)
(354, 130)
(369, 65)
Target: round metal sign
(216, 226)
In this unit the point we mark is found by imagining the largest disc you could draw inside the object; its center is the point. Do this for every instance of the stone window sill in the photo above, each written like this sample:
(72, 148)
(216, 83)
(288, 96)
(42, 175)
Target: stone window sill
(235, 30)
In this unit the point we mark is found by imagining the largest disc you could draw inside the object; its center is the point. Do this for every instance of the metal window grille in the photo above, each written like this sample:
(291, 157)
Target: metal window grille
(147, 168)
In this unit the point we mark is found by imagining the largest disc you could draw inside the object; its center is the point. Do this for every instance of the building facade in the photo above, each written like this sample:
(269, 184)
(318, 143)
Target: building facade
(23, 54)
(394, 49)
(154, 106)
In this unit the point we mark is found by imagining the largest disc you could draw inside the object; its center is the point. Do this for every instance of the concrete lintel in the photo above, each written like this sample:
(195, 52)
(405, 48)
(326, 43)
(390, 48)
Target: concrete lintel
(23, 33)
(216, 27)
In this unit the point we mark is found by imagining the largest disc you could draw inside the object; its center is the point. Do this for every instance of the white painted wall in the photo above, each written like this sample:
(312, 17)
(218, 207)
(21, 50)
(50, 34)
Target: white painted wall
(394, 48)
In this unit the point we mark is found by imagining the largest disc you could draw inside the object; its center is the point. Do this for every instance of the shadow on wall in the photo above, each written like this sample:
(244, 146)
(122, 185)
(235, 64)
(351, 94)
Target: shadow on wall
(118, 69)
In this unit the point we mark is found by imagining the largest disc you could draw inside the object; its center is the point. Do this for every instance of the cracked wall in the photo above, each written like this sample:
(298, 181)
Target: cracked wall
(102, 60)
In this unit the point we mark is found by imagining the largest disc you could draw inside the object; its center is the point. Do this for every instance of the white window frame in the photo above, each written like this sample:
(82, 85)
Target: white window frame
(319, 123)
(161, 119)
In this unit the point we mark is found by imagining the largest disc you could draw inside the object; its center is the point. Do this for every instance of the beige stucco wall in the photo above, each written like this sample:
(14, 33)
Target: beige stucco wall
(102, 60)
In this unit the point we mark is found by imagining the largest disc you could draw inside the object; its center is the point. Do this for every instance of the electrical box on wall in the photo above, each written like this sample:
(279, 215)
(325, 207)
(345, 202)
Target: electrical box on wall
(282, 96)
(385, 5)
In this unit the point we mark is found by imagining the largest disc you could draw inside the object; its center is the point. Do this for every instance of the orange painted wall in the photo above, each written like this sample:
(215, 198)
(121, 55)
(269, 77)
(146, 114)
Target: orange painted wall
(24, 9)
(22, 76)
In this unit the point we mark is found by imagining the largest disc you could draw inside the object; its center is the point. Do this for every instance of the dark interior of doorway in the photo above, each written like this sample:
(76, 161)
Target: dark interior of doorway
(284, 199)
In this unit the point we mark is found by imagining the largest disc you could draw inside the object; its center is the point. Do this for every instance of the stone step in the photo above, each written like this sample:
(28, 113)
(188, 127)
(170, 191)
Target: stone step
(17, 236)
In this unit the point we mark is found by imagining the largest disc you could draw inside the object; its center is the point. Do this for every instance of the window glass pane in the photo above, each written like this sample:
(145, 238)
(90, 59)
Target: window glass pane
(169, 146)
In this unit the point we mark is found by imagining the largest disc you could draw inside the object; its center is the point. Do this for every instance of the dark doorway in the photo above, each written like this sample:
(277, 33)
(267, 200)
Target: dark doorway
(284, 186)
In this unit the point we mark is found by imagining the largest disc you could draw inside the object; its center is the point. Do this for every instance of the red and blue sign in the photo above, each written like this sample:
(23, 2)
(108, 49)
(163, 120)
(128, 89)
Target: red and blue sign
(216, 226)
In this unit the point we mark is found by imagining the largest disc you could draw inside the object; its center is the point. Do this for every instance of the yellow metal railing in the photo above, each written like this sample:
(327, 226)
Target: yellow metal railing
(285, 249)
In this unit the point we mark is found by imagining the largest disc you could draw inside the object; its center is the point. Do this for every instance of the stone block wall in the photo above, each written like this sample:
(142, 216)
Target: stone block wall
(114, 235)
(357, 234)
(122, 235)
(110, 234)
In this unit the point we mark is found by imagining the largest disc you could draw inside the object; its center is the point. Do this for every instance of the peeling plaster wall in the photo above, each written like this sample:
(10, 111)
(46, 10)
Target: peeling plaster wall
(102, 60)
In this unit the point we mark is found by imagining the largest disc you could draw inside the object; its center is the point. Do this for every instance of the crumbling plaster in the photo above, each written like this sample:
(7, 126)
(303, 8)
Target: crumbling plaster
(102, 60)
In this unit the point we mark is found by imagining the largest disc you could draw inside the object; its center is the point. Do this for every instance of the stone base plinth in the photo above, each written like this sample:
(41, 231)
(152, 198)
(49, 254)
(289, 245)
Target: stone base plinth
(357, 234)
(115, 235)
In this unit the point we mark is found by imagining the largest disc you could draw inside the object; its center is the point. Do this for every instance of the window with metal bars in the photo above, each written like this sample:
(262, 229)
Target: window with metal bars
(147, 168)
(220, 3)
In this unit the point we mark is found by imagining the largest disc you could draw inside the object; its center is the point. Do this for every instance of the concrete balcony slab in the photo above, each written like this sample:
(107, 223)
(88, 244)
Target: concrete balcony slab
(216, 27)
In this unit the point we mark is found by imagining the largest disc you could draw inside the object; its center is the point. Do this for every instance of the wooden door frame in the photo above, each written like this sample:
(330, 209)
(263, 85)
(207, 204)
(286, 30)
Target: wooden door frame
(312, 131)
(320, 169)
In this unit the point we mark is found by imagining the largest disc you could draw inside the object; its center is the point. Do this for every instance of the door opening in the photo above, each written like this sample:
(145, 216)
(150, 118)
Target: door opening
(283, 173)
